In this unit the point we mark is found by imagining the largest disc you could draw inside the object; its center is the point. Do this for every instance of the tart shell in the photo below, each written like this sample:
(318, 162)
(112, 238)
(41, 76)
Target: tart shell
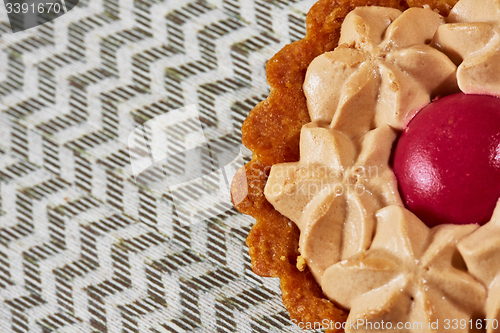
(271, 131)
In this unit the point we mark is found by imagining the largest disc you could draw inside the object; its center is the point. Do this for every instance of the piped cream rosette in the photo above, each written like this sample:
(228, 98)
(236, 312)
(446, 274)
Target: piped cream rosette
(382, 71)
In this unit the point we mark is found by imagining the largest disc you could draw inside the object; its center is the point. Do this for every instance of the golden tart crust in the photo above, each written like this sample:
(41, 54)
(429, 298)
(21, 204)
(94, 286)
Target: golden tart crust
(271, 131)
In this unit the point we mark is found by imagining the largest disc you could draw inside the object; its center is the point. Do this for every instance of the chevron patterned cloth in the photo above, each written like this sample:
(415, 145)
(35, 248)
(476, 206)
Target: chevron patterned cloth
(84, 247)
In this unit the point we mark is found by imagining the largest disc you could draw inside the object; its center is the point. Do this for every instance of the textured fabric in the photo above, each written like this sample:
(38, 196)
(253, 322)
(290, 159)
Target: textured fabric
(83, 247)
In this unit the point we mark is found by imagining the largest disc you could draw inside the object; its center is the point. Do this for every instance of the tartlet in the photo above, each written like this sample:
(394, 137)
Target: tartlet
(272, 132)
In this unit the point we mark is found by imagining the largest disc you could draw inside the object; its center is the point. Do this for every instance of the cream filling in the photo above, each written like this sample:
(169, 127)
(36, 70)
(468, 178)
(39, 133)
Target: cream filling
(410, 274)
(481, 253)
(370, 255)
(333, 192)
(381, 73)
(472, 40)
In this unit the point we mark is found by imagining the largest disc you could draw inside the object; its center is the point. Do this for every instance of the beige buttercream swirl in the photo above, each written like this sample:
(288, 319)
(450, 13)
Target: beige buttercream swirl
(333, 192)
(381, 73)
(481, 253)
(410, 274)
(472, 41)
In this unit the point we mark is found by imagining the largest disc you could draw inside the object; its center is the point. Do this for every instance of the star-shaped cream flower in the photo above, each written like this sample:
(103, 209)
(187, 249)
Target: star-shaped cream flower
(382, 71)
(410, 274)
(481, 252)
(472, 40)
(333, 192)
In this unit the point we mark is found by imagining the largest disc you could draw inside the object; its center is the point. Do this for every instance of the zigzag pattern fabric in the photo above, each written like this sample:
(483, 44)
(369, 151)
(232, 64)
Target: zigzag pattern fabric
(83, 247)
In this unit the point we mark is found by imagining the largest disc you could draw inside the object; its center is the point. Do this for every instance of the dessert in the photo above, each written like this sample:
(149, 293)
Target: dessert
(407, 276)
(374, 259)
(481, 252)
(381, 73)
(471, 40)
(331, 193)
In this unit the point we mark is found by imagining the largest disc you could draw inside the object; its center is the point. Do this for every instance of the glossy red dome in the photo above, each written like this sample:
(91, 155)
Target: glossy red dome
(447, 161)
